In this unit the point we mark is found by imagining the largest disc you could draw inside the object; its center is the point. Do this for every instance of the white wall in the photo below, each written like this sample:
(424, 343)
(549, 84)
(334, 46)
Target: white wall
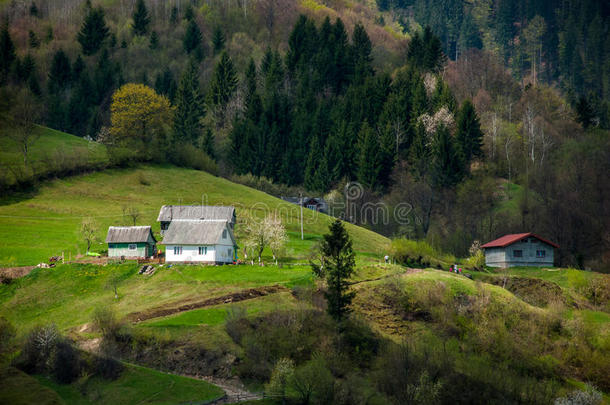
(215, 253)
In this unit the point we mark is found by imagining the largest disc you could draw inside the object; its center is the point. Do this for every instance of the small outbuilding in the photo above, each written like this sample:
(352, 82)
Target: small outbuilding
(519, 249)
(200, 241)
(134, 242)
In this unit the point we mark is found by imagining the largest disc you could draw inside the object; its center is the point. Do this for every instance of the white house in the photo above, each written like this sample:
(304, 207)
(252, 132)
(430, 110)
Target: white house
(200, 241)
(520, 249)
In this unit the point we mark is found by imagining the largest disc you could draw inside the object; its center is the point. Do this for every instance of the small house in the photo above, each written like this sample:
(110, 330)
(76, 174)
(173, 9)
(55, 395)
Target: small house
(170, 213)
(313, 203)
(200, 241)
(520, 249)
(130, 241)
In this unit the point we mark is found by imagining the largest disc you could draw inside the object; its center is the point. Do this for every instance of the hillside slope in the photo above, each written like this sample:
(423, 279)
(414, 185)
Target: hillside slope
(33, 228)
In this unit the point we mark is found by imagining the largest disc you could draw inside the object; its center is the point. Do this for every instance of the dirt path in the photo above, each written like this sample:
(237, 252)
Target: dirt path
(175, 308)
(234, 390)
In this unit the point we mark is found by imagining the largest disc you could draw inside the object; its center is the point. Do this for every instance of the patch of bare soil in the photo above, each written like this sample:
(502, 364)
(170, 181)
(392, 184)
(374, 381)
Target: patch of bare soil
(171, 309)
(15, 272)
(234, 390)
(534, 291)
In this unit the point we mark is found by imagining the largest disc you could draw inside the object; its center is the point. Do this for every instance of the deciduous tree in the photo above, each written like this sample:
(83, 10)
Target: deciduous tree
(138, 113)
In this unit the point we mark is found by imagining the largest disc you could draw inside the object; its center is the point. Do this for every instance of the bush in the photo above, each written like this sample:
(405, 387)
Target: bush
(415, 253)
(106, 322)
(236, 323)
(189, 156)
(108, 367)
(588, 396)
(66, 364)
(7, 333)
(37, 351)
(313, 383)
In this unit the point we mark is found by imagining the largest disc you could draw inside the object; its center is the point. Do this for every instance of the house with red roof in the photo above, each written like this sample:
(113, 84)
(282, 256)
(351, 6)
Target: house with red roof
(519, 249)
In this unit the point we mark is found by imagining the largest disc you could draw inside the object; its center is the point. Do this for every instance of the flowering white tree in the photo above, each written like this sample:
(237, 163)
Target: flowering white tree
(268, 232)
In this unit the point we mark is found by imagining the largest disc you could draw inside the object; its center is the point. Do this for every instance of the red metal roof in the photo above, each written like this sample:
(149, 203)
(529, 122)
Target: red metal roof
(515, 237)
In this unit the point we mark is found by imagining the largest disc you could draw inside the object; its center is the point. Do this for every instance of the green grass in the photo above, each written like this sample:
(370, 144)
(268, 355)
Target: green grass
(566, 278)
(18, 388)
(217, 315)
(51, 147)
(67, 295)
(135, 385)
(33, 228)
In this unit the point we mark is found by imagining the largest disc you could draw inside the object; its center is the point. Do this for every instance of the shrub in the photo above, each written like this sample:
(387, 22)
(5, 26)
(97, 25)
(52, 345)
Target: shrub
(589, 396)
(313, 382)
(414, 253)
(189, 156)
(108, 367)
(7, 333)
(236, 323)
(106, 322)
(66, 363)
(37, 350)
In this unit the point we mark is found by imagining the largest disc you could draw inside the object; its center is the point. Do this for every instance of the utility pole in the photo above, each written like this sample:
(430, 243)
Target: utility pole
(301, 204)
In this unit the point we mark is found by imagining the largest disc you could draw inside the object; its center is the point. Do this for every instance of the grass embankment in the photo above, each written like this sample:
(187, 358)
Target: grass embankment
(68, 294)
(54, 152)
(33, 228)
(135, 385)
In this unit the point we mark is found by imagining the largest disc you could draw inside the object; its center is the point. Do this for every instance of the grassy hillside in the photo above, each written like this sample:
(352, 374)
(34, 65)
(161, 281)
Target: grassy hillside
(32, 228)
(53, 152)
(136, 385)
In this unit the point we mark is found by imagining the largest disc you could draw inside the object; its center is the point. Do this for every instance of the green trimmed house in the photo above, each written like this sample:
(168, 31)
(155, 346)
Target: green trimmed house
(133, 242)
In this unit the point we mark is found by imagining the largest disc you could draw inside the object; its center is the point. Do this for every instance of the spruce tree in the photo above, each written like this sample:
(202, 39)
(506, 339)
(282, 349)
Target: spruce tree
(192, 37)
(361, 54)
(369, 164)
(447, 161)
(154, 40)
(339, 262)
(469, 135)
(60, 73)
(190, 108)
(218, 40)
(7, 53)
(224, 81)
(33, 40)
(141, 19)
(93, 31)
(208, 144)
(34, 10)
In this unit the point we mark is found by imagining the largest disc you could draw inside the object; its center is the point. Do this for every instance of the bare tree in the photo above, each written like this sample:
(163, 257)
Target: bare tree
(131, 212)
(89, 230)
(23, 116)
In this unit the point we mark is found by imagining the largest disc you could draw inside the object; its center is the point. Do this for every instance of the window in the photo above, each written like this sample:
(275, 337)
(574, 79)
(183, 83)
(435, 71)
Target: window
(132, 246)
(231, 253)
(164, 226)
(311, 207)
(224, 234)
(177, 250)
(517, 253)
(203, 250)
(540, 253)
(524, 240)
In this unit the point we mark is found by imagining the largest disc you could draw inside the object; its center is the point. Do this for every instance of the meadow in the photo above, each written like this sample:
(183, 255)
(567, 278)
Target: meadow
(35, 227)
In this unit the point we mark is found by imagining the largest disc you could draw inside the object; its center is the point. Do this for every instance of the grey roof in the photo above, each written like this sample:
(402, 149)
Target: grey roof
(128, 234)
(192, 212)
(297, 200)
(206, 232)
